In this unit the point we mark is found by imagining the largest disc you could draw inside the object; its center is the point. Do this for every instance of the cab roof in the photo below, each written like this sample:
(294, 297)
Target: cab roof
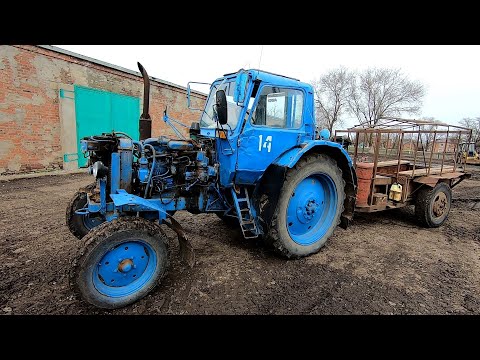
(269, 77)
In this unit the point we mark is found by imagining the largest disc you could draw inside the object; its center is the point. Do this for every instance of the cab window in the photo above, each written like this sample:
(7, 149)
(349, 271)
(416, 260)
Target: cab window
(279, 107)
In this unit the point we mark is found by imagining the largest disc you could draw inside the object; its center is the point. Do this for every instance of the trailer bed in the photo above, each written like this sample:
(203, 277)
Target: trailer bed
(396, 158)
(425, 171)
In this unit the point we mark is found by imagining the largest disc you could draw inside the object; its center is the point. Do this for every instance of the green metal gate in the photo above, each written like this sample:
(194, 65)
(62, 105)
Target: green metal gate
(100, 111)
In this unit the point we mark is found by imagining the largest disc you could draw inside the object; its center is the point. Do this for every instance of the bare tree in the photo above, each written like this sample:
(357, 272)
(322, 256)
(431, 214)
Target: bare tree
(474, 124)
(428, 137)
(381, 92)
(331, 92)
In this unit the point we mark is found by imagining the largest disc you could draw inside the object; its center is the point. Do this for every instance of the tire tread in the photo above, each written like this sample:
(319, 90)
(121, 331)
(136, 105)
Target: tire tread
(77, 231)
(273, 237)
(103, 231)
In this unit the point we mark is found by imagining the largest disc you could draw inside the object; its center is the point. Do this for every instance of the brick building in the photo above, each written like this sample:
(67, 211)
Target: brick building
(50, 97)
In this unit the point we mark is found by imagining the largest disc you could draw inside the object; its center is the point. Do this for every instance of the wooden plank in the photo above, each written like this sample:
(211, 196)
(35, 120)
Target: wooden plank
(383, 180)
(423, 172)
(392, 162)
(373, 208)
(433, 179)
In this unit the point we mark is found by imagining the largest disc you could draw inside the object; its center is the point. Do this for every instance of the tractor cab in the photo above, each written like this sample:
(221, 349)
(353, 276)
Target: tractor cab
(264, 116)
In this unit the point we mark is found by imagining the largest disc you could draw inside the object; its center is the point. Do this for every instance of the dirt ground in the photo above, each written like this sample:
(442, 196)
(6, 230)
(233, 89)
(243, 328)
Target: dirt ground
(383, 263)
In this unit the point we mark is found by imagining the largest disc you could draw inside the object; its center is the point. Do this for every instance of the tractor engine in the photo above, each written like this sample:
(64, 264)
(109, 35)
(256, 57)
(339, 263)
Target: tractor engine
(180, 167)
(155, 167)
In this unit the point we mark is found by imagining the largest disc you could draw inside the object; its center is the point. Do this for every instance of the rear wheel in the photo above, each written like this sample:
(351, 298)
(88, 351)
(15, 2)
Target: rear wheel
(120, 262)
(309, 207)
(433, 205)
(80, 225)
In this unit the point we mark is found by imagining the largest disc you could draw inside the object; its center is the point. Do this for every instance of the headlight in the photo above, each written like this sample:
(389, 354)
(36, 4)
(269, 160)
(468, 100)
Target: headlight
(98, 170)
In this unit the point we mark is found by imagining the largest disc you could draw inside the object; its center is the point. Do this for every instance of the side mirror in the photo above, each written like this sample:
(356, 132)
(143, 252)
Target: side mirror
(241, 83)
(221, 106)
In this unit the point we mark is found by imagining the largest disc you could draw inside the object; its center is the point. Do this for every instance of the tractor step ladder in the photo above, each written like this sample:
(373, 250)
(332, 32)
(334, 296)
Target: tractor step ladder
(244, 213)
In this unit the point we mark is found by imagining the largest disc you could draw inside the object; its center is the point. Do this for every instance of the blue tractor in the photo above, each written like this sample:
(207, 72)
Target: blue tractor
(255, 159)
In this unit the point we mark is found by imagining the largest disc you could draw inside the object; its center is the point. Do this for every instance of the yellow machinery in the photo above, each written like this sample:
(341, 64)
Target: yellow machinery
(468, 153)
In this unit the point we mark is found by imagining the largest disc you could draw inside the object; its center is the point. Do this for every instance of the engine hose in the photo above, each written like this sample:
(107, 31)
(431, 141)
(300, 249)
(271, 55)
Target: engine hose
(147, 186)
(139, 144)
(161, 175)
(123, 133)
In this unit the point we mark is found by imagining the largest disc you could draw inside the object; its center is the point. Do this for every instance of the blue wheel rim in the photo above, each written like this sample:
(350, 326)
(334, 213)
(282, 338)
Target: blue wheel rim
(125, 269)
(311, 209)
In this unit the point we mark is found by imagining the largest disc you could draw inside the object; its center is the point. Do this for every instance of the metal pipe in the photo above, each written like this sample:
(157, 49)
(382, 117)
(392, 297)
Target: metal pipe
(411, 144)
(139, 144)
(151, 170)
(400, 147)
(457, 148)
(372, 130)
(431, 152)
(386, 146)
(415, 153)
(375, 162)
(355, 151)
(145, 122)
(444, 150)
(363, 143)
(470, 133)
(115, 173)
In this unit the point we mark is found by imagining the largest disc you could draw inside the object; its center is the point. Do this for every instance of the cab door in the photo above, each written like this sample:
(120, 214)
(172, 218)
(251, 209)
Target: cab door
(274, 126)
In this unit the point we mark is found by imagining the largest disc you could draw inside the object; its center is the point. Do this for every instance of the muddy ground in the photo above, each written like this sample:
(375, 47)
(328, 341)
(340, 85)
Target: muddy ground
(383, 264)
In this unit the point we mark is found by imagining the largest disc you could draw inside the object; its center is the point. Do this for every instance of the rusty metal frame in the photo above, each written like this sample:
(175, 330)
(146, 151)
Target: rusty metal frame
(397, 129)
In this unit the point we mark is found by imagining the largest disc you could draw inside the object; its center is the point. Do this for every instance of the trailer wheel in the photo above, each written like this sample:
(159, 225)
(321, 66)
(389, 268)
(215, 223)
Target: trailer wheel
(120, 262)
(80, 225)
(309, 207)
(433, 205)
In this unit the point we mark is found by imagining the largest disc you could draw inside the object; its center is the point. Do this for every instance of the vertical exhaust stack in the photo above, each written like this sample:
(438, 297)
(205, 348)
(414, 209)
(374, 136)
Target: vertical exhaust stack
(145, 120)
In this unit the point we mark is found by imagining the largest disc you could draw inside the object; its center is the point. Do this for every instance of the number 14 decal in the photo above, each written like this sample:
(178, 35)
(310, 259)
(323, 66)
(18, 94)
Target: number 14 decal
(265, 145)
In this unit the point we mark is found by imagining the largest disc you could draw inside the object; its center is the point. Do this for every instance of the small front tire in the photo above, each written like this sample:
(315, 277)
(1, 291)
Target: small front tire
(120, 262)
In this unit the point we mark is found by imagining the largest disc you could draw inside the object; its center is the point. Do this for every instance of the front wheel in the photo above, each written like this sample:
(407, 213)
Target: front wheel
(309, 207)
(433, 205)
(120, 262)
(80, 225)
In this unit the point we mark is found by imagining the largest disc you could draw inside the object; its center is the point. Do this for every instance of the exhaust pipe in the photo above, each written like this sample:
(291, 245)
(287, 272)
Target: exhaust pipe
(145, 120)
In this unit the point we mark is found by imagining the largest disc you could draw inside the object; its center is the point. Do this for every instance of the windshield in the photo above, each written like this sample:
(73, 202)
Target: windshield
(208, 120)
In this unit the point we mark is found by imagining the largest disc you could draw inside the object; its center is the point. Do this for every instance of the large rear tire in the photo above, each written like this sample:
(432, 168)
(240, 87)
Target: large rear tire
(309, 207)
(80, 225)
(120, 262)
(433, 205)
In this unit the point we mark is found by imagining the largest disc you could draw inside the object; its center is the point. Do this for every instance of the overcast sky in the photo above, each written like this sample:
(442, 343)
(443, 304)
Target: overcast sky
(451, 73)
